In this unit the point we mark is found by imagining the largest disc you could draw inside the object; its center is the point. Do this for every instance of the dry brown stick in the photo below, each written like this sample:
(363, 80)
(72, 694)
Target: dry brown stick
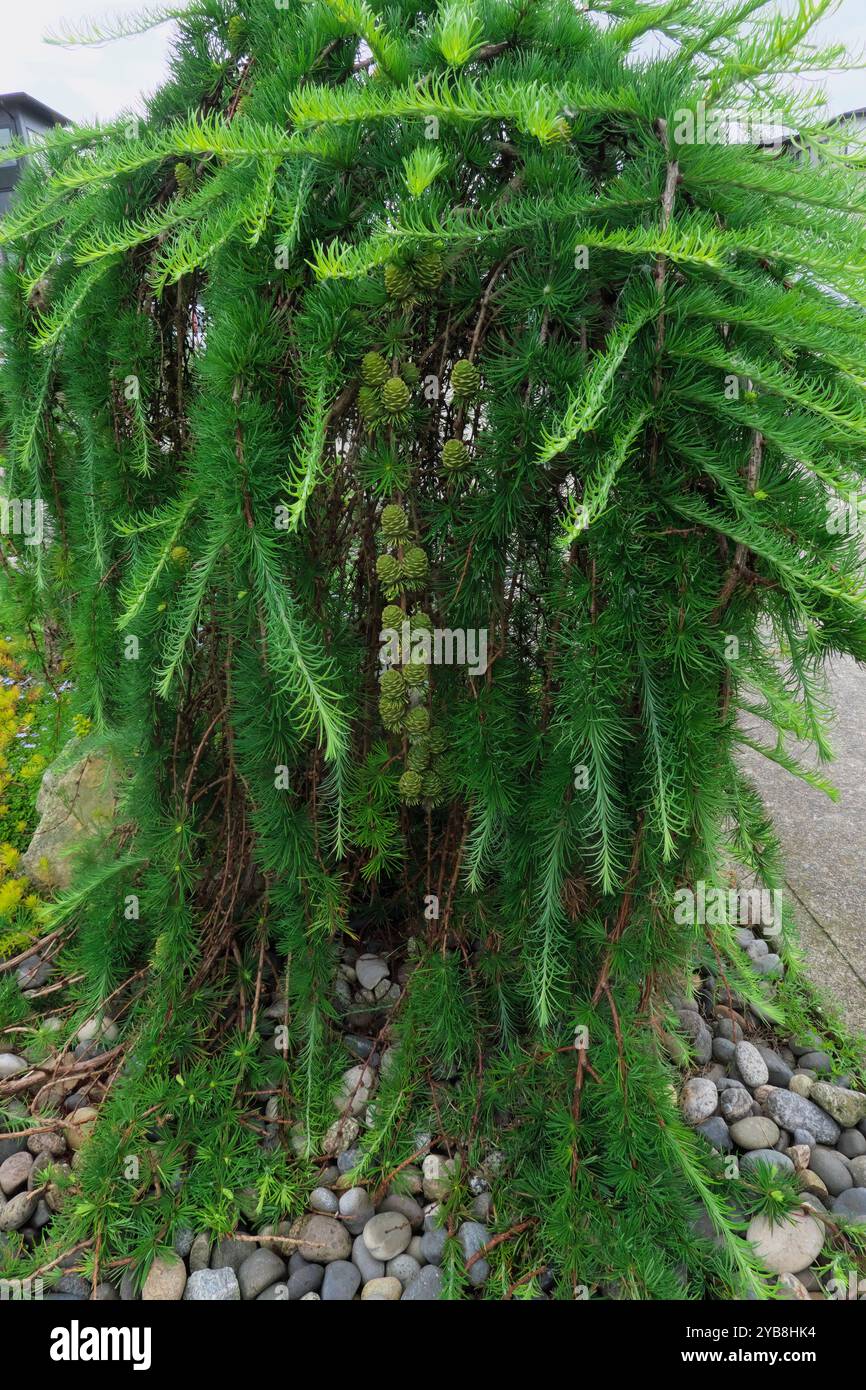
(43, 1074)
(500, 1240)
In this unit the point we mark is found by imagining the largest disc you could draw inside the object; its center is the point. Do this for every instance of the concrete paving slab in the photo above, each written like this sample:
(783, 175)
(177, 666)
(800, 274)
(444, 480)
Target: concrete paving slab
(825, 846)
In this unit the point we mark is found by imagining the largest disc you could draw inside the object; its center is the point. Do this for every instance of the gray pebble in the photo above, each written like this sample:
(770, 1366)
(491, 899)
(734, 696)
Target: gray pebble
(341, 1282)
(258, 1272)
(425, 1287)
(218, 1285)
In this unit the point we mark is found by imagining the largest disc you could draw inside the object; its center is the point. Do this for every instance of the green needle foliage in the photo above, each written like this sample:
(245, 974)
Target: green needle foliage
(244, 337)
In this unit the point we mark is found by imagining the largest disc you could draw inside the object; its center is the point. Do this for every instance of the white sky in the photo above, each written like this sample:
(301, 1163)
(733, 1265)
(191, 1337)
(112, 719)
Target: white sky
(87, 82)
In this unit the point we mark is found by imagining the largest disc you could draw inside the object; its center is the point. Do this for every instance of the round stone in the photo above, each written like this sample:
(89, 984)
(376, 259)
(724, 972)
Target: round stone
(17, 1211)
(407, 1206)
(795, 1112)
(698, 1100)
(751, 1065)
(341, 1282)
(356, 1209)
(753, 1157)
(787, 1246)
(714, 1130)
(370, 1268)
(831, 1169)
(425, 1287)
(755, 1132)
(166, 1280)
(857, 1169)
(382, 1291)
(437, 1176)
(852, 1205)
(213, 1286)
(304, 1279)
(387, 1235)
(811, 1184)
(403, 1267)
(851, 1143)
(321, 1238)
(323, 1200)
(11, 1065)
(258, 1271)
(50, 1143)
(735, 1102)
(370, 970)
(14, 1173)
(847, 1107)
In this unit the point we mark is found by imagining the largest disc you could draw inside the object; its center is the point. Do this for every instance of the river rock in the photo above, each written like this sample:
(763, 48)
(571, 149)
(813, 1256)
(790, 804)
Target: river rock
(751, 1065)
(755, 1132)
(17, 1211)
(699, 1034)
(698, 1100)
(258, 1271)
(321, 1238)
(809, 1182)
(387, 1235)
(370, 970)
(438, 1175)
(848, 1108)
(857, 1169)
(851, 1143)
(14, 1172)
(735, 1102)
(831, 1169)
(11, 1065)
(787, 1246)
(382, 1291)
(778, 1071)
(426, 1287)
(852, 1205)
(714, 1130)
(356, 1209)
(213, 1286)
(471, 1236)
(792, 1112)
(304, 1278)
(341, 1282)
(166, 1280)
(777, 1160)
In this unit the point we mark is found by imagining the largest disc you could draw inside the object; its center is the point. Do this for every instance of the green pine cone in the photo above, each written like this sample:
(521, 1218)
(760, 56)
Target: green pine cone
(410, 373)
(418, 757)
(455, 455)
(415, 674)
(438, 742)
(388, 569)
(410, 787)
(422, 620)
(369, 405)
(398, 281)
(415, 564)
(374, 369)
(465, 378)
(237, 33)
(418, 720)
(393, 617)
(392, 685)
(395, 523)
(432, 786)
(393, 715)
(394, 397)
(427, 271)
(183, 176)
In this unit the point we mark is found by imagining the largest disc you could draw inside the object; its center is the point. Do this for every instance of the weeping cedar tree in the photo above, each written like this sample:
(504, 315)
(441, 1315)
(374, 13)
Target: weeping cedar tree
(457, 316)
